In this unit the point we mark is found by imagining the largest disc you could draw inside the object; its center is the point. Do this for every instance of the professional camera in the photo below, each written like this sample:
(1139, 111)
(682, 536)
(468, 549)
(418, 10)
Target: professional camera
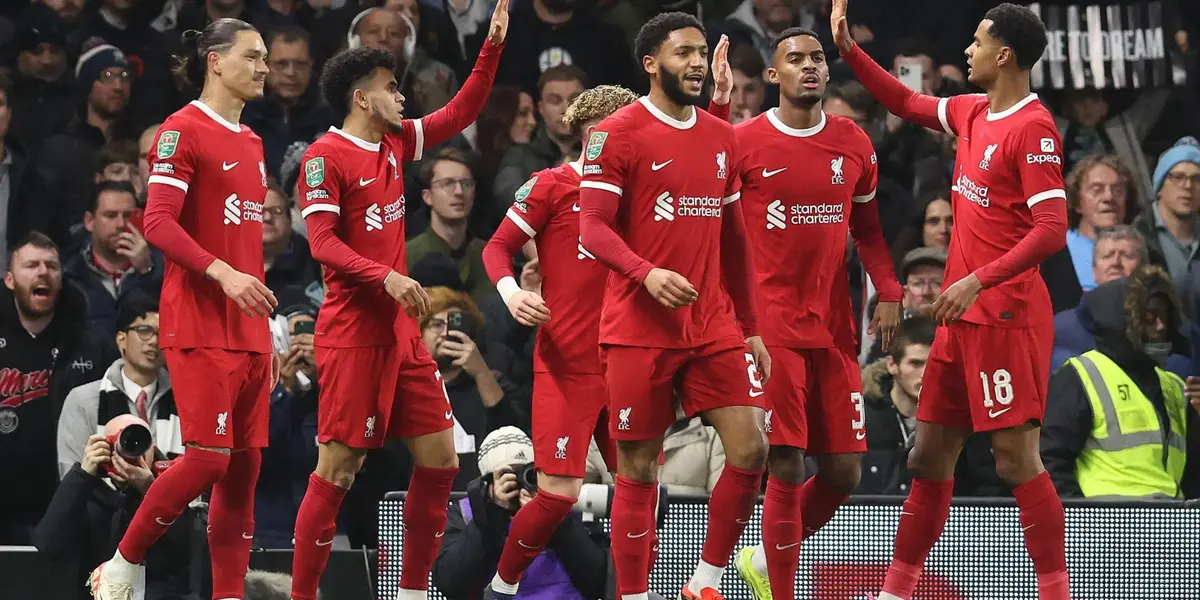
(595, 502)
(130, 443)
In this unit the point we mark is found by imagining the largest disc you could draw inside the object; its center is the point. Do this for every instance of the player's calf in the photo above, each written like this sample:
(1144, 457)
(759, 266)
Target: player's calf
(316, 521)
(531, 529)
(435, 466)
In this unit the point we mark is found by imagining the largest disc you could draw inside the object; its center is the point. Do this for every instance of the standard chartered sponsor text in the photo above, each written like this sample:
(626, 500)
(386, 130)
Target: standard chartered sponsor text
(698, 206)
(816, 214)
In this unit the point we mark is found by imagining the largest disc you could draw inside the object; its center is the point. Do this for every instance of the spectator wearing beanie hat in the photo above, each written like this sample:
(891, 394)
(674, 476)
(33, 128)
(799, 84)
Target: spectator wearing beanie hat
(41, 82)
(1169, 230)
(68, 159)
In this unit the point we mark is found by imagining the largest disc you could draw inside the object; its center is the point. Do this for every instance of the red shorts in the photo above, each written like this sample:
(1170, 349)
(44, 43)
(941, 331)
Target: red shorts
(986, 378)
(815, 401)
(223, 396)
(641, 384)
(377, 393)
(568, 409)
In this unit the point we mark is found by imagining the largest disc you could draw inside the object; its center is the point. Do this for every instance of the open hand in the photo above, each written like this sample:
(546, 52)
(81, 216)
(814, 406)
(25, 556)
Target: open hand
(954, 302)
(885, 322)
(722, 73)
(498, 29)
(840, 27)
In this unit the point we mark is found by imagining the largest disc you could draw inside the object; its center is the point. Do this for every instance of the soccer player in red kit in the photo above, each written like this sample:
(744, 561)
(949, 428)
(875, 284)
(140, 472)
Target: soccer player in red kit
(659, 208)
(568, 391)
(204, 211)
(990, 360)
(808, 181)
(377, 380)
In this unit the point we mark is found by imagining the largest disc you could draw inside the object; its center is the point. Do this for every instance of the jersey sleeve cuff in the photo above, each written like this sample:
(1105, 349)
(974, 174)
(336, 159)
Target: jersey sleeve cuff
(507, 286)
(171, 181)
(944, 114)
(520, 222)
(600, 185)
(731, 198)
(418, 139)
(1046, 195)
(320, 207)
(865, 197)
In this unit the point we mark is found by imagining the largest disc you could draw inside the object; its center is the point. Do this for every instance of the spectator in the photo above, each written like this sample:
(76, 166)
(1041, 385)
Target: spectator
(1137, 448)
(749, 89)
(1169, 228)
(144, 144)
(543, 34)
(1088, 126)
(41, 83)
(574, 564)
(436, 34)
(449, 193)
(930, 227)
(693, 457)
(507, 121)
(1101, 193)
(292, 453)
(93, 506)
(922, 272)
(482, 398)
(427, 84)
(119, 23)
(117, 162)
(115, 263)
(48, 351)
(136, 384)
(557, 87)
(67, 159)
(758, 22)
(904, 147)
(292, 110)
(286, 256)
(1118, 252)
(23, 195)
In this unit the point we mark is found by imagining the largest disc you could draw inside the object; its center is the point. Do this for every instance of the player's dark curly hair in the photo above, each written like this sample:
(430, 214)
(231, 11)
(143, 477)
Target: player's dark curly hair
(1020, 29)
(350, 70)
(792, 32)
(191, 64)
(655, 31)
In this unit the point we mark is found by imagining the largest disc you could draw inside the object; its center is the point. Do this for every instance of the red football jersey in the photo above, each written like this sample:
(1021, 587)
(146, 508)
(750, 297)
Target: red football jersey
(362, 182)
(798, 186)
(547, 209)
(1006, 163)
(673, 177)
(219, 166)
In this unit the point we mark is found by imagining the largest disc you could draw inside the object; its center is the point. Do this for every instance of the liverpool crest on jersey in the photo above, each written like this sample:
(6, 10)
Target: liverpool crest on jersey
(722, 172)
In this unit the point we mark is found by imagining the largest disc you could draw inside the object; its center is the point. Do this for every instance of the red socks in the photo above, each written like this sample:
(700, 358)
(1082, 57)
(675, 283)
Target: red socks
(231, 523)
(1044, 524)
(782, 532)
(921, 522)
(733, 499)
(424, 524)
(819, 503)
(168, 497)
(632, 526)
(316, 525)
(529, 532)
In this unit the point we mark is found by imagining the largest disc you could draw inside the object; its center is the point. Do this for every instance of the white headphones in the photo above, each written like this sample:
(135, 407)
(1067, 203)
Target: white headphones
(353, 40)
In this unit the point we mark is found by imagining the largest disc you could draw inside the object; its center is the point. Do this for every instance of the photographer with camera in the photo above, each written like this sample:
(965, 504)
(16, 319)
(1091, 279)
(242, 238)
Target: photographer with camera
(573, 566)
(95, 502)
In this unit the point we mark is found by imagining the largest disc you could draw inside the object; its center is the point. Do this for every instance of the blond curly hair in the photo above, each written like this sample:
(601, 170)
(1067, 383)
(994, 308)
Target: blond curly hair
(596, 103)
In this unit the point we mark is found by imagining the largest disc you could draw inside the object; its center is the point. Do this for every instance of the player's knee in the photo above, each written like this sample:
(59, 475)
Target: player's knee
(928, 465)
(558, 485)
(747, 452)
(843, 474)
(786, 464)
(209, 464)
(1015, 466)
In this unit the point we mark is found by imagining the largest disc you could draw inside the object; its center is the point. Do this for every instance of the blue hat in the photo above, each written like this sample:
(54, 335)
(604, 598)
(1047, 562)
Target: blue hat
(1185, 150)
(96, 61)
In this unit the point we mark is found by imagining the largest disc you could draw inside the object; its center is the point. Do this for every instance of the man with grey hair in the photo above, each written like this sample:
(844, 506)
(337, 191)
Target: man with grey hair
(1118, 251)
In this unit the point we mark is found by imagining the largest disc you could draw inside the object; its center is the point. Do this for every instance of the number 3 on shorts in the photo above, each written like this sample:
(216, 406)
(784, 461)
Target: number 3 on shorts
(997, 388)
(756, 386)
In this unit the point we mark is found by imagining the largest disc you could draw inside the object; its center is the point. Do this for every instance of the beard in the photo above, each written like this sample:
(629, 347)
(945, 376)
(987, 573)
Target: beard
(674, 90)
(809, 98)
(559, 7)
(33, 307)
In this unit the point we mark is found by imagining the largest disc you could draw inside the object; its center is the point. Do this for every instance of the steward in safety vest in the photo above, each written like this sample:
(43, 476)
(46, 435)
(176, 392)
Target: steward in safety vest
(1116, 423)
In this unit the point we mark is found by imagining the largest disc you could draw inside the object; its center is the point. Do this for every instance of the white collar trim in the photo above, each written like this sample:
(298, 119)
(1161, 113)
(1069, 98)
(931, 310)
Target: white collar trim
(357, 141)
(773, 117)
(1012, 110)
(668, 119)
(212, 114)
(578, 166)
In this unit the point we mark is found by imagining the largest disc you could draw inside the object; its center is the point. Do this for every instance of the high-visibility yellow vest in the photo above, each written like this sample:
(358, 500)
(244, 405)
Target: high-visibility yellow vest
(1128, 454)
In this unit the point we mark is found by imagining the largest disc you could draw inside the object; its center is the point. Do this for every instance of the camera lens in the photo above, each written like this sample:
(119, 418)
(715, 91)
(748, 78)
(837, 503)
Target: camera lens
(133, 442)
(528, 477)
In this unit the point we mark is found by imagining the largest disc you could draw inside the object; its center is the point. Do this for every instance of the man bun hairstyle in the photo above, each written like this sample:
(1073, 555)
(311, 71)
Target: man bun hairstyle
(655, 31)
(596, 103)
(350, 70)
(191, 64)
(1020, 29)
(792, 32)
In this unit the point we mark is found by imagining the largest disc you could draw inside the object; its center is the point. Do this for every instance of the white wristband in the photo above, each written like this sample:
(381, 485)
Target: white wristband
(507, 287)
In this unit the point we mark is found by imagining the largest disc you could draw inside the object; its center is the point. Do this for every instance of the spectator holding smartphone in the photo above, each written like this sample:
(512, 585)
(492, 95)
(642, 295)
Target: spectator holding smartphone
(483, 398)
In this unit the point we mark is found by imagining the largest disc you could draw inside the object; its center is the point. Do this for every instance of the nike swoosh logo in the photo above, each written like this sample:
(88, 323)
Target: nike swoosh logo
(634, 537)
(785, 547)
(767, 173)
(995, 413)
(365, 182)
(320, 543)
(439, 534)
(742, 521)
(575, 207)
(861, 435)
(657, 167)
(227, 166)
(449, 415)
(1027, 527)
(908, 513)
(245, 536)
(522, 544)
(163, 523)
(756, 393)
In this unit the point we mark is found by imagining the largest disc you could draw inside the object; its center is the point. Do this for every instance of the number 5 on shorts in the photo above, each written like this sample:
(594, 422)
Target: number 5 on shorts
(997, 388)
